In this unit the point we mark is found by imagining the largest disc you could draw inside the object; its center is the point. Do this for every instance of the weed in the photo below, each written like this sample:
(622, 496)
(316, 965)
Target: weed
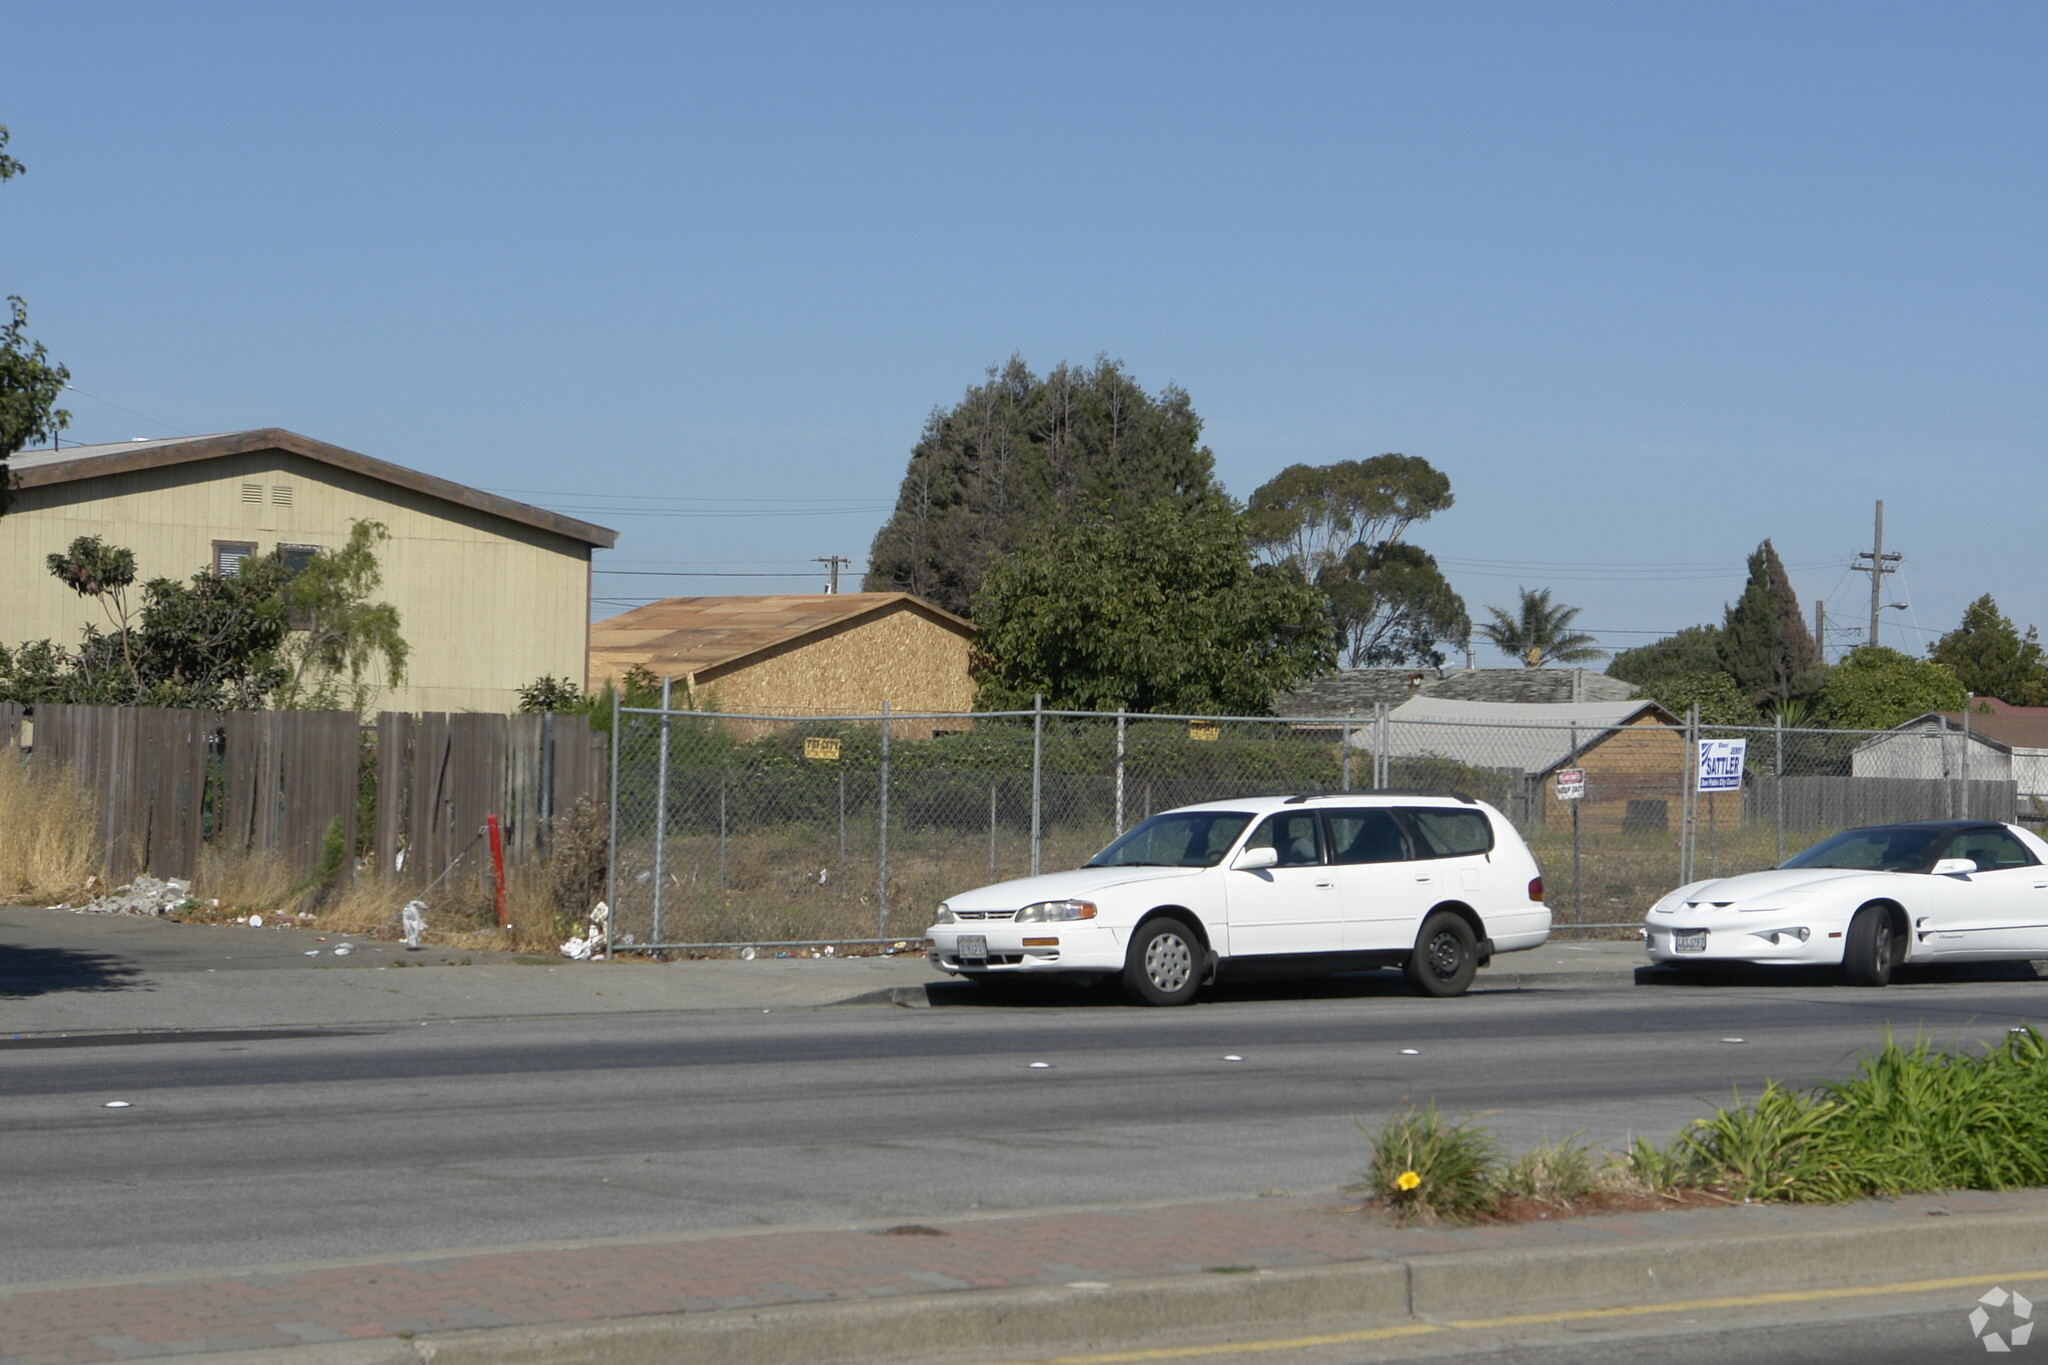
(1430, 1169)
(49, 844)
(1560, 1174)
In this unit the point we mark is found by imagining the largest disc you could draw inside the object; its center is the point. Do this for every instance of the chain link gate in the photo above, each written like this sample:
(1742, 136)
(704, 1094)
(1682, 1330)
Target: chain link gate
(781, 831)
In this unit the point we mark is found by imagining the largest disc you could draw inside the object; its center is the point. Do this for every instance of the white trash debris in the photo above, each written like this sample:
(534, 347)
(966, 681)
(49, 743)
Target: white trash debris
(344, 949)
(1731, 1040)
(1232, 1057)
(828, 950)
(590, 943)
(315, 952)
(746, 954)
(143, 896)
(1410, 1052)
(117, 1104)
(255, 921)
(414, 920)
(1041, 1066)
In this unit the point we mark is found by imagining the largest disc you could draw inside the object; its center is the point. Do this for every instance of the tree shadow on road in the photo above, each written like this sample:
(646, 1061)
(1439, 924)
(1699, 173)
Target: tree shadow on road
(26, 972)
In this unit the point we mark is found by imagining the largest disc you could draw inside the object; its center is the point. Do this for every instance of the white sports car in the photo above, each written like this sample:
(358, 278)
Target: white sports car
(1867, 899)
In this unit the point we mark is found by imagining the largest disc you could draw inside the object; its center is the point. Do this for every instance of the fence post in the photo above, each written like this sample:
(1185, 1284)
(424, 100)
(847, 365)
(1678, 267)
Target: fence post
(1965, 811)
(1688, 798)
(1382, 770)
(1119, 776)
(1948, 775)
(1779, 774)
(840, 872)
(1344, 753)
(1037, 778)
(611, 851)
(1578, 893)
(661, 812)
(882, 838)
(545, 824)
(991, 830)
(723, 777)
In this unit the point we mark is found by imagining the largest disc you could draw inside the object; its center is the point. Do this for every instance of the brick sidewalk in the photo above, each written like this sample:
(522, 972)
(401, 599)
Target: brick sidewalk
(285, 1307)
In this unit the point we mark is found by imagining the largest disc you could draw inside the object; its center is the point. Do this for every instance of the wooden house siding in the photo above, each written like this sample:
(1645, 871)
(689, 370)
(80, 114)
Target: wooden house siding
(487, 603)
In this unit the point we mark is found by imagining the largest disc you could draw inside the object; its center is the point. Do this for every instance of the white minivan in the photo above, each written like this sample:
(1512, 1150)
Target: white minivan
(1435, 883)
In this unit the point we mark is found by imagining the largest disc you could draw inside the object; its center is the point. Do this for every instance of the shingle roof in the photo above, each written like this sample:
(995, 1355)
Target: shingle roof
(1357, 690)
(682, 637)
(1531, 737)
(2018, 727)
(35, 468)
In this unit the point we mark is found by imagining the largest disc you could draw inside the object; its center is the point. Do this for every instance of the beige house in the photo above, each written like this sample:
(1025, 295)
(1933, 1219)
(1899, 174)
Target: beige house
(796, 654)
(491, 593)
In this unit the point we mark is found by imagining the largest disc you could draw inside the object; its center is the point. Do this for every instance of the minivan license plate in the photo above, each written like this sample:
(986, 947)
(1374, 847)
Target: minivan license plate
(1689, 943)
(973, 948)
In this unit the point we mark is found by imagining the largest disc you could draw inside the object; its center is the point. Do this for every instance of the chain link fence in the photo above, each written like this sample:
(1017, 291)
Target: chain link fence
(788, 832)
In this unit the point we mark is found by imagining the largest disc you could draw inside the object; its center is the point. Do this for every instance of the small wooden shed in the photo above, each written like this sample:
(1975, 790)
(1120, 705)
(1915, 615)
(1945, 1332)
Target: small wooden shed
(797, 653)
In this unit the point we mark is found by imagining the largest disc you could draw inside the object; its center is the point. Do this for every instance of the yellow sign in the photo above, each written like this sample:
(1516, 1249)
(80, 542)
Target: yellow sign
(1203, 730)
(821, 748)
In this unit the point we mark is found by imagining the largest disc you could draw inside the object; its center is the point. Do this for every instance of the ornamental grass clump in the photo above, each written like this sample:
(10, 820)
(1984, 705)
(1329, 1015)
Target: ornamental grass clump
(1429, 1169)
(1910, 1119)
(1561, 1174)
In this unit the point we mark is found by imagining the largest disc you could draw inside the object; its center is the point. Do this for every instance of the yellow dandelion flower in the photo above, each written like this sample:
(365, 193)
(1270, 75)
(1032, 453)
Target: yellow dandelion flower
(1407, 1180)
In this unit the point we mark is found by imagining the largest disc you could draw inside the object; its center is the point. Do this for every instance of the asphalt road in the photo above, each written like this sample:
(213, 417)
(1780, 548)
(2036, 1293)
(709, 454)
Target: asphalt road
(247, 1148)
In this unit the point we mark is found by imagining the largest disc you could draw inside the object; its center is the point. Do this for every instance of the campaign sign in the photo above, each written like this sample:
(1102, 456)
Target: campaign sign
(1721, 764)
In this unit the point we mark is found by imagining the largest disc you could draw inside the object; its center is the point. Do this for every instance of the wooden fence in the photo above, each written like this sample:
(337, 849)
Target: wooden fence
(168, 784)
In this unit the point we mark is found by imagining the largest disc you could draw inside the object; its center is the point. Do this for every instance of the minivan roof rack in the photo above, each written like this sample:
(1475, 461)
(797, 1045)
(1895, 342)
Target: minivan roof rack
(1382, 791)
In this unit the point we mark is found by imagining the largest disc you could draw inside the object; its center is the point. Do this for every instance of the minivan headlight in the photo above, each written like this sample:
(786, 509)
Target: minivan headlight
(1046, 912)
(945, 915)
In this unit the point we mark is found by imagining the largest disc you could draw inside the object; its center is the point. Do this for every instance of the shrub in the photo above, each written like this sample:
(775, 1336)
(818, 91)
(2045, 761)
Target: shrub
(1430, 1169)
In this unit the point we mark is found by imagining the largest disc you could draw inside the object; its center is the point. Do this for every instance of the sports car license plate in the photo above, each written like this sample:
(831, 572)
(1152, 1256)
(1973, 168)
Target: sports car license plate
(1694, 942)
(973, 948)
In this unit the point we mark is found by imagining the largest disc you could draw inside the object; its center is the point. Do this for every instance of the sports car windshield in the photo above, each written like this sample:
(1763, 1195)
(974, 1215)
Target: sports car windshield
(1887, 848)
(1196, 838)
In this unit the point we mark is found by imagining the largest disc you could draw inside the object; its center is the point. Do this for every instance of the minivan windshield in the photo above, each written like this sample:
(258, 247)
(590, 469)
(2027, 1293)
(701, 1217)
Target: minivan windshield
(1883, 848)
(1193, 838)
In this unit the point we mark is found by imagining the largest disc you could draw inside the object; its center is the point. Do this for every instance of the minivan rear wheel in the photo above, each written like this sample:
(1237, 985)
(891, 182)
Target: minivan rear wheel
(1446, 956)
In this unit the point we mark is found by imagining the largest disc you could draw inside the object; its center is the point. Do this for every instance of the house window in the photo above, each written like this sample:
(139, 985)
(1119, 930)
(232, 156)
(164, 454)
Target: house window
(297, 557)
(229, 554)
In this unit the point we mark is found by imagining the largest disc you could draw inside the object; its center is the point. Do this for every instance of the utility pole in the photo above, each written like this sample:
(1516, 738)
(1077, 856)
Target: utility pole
(1820, 633)
(832, 562)
(1880, 564)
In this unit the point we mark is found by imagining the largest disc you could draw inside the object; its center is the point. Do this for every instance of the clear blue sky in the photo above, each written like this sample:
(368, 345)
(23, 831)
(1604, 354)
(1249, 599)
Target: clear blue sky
(1649, 282)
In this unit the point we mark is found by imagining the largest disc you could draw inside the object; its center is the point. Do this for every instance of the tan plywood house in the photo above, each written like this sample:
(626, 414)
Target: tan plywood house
(796, 654)
(491, 593)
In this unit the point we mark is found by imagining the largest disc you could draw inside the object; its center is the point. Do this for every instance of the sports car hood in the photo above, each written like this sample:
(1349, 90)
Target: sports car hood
(1059, 886)
(1778, 886)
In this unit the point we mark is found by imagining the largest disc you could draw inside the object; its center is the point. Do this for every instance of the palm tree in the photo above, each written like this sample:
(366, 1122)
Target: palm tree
(1541, 633)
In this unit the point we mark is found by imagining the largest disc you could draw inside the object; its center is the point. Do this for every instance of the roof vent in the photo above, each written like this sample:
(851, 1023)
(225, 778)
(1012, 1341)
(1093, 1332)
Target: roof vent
(281, 494)
(252, 492)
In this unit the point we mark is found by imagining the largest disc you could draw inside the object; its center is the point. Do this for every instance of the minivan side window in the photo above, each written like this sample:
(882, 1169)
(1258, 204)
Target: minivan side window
(1449, 833)
(1367, 836)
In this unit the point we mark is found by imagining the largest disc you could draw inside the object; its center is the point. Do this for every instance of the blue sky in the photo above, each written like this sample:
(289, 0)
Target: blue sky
(1649, 282)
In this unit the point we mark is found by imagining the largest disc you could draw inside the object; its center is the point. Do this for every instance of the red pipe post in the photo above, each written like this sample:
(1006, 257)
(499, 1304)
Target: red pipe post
(498, 871)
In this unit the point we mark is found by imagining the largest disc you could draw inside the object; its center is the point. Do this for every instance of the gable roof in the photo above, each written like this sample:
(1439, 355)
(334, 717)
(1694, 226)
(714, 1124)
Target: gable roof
(1533, 737)
(36, 468)
(684, 637)
(1355, 690)
(2017, 728)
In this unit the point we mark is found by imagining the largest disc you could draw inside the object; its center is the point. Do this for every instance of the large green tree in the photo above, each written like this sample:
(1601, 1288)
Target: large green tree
(30, 384)
(1765, 646)
(1539, 632)
(1875, 688)
(1991, 658)
(1340, 526)
(1019, 453)
(1155, 609)
(1685, 669)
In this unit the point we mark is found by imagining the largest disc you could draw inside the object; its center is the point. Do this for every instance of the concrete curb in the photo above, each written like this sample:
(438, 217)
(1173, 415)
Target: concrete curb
(1023, 1324)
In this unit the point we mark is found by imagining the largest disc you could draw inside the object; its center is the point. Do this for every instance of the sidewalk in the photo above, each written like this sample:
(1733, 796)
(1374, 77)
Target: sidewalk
(66, 973)
(1026, 1286)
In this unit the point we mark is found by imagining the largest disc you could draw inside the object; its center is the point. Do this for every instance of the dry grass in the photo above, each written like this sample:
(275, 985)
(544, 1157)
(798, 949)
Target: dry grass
(247, 882)
(461, 912)
(49, 845)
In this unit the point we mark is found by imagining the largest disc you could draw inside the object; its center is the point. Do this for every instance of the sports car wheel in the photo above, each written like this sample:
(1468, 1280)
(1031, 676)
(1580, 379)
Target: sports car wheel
(1870, 947)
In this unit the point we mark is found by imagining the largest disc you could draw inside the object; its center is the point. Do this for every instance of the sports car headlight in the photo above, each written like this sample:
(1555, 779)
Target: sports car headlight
(945, 915)
(1045, 912)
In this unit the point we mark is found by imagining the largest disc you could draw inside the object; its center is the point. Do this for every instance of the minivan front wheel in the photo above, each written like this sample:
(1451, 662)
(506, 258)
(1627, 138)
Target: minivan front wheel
(1446, 956)
(1164, 963)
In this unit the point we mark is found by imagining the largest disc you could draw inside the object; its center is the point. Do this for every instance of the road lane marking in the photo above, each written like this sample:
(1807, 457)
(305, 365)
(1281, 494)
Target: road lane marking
(1136, 1357)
